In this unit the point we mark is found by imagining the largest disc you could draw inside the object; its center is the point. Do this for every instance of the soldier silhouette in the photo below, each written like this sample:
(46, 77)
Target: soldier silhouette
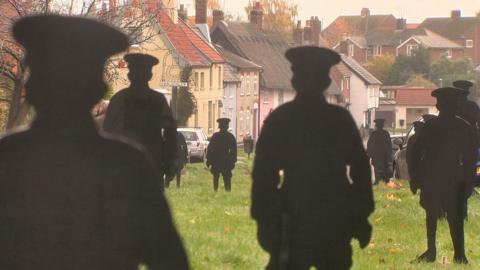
(143, 115)
(443, 170)
(181, 159)
(379, 149)
(222, 154)
(312, 189)
(71, 198)
(468, 110)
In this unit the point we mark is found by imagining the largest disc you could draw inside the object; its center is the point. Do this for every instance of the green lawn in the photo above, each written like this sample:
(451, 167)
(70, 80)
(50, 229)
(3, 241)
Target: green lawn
(219, 234)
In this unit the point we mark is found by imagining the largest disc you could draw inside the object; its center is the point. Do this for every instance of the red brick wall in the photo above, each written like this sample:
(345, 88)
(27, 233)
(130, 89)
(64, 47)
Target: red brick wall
(437, 54)
(359, 54)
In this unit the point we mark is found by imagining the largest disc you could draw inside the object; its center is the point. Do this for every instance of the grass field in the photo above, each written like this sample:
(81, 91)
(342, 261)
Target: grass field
(219, 234)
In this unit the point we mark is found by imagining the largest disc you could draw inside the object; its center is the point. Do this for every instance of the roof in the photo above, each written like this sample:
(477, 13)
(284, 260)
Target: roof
(361, 42)
(414, 96)
(265, 48)
(236, 60)
(188, 43)
(453, 28)
(391, 37)
(432, 40)
(229, 74)
(359, 70)
(368, 23)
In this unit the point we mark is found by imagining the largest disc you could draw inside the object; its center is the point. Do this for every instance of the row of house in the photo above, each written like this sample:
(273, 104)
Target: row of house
(365, 36)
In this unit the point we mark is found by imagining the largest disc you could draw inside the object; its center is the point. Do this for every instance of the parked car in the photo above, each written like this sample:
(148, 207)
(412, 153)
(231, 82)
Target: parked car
(197, 142)
(400, 169)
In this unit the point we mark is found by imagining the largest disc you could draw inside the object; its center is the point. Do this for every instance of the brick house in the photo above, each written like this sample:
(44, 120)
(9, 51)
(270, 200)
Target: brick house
(438, 46)
(465, 31)
(357, 25)
(401, 105)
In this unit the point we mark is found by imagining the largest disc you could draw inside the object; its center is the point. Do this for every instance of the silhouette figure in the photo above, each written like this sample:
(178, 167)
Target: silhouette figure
(468, 110)
(222, 154)
(417, 127)
(180, 160)
(306, 206)
(379, 149)
(444, 167)
(143, 115)
(70, 198)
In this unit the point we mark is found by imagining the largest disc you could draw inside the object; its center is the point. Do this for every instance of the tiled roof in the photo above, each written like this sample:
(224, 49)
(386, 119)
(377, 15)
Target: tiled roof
(359, 70)
(229, 74)
(236, 60)
(414, 96)
(452, 28)
(389, 37)
(432, 40)
(194, 49)
(361, 42)
(265, 48)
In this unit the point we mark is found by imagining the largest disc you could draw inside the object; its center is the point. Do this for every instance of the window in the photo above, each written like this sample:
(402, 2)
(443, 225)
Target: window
(248, 85)
(255, 85)
(241, 120)
(210, 117)
(411, 49)
(265, 98)
(351, 50)
(242, 86)
(377, 50)
(196, 81)
(211, 78)
(469, 43)
(247, 121)
(202, 81)
(448, 53)
(280, 97)
(219, 78)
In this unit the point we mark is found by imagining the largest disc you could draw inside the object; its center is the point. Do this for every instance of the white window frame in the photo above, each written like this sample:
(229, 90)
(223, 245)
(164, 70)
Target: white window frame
(242, 86)
(248, 85)
(377, 50)
(410, 48)
(469, 43)
(449, 53)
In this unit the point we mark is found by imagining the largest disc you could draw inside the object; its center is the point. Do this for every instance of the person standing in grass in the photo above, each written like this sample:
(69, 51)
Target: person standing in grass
(181, 159)
(443, 170)
(379, 149)
(222, 155)
(141, 114)
(71, 198)
(312, 189)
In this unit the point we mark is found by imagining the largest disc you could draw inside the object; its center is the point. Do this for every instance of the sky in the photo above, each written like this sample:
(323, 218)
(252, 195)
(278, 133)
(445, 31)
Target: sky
(327, 10)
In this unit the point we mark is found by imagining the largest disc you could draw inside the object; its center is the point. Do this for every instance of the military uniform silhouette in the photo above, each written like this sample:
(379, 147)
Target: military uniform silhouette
(443, 170)
(379, 149)
(222, 154)
(308, 216)
(180, 160)
(70, 198)
(468, 109)
(143, 115)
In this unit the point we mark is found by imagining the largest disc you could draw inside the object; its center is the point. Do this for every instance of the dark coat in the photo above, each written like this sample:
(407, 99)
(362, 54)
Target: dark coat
(71, 199)
(222, 151)
(143, 115)
(444, 164)
(379, 149)
(470, 112)
(313, 143)
(182, 152)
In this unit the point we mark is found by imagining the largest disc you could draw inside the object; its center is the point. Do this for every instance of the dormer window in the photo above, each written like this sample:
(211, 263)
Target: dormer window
(469, 43)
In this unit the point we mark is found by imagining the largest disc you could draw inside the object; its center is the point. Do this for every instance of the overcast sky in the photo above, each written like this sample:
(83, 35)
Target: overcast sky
(327, 10)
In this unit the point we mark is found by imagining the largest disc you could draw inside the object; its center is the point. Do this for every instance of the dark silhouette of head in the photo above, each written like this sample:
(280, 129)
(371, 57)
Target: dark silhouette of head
(379, 123)
(417, 126)
(448, 99)
(463, 84)
(223, 123)
(311, 68)
(66, 57)
(140, 67)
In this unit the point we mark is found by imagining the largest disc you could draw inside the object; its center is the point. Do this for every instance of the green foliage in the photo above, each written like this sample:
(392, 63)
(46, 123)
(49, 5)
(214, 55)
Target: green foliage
(405, 66)
(109, 93)
(420, 80)
(380, 66)
(448, 71)
(186, 102)
(218, 232)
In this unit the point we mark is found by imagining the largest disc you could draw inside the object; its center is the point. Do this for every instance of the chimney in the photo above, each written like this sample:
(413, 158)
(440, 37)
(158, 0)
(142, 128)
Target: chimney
(298, 34)
(256, 15)
(365, 12)
(218, 16)
(401, 24)
(316, 26)
(201, 11)
(183, 13)
(307, 33)
(455, 14)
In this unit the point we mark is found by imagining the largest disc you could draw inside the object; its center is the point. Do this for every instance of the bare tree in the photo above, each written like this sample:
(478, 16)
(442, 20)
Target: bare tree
(138, 21)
